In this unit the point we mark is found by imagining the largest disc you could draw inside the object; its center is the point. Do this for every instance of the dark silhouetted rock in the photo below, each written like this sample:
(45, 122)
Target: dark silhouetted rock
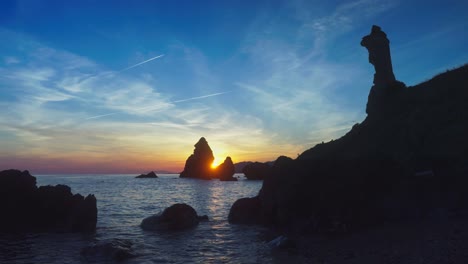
(256, 171)
(108, 251)
(246, 211)
(385, 92)
(149, 175)
(27, 208)
(379, 55)
(373, 174)
(225, 171)
(175, 217)
(239, 167)
(203, 218)
(198, 165)
(281, 243)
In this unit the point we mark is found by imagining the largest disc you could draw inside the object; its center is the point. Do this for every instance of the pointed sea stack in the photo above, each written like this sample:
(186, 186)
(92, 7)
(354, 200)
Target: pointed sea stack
(226, 170)
(198, 165)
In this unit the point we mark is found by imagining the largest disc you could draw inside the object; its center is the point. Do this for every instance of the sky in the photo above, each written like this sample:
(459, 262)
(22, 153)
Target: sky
(130, 86)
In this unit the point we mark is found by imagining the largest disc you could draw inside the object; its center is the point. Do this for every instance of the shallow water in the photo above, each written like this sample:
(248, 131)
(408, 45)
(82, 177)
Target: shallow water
(124, 201)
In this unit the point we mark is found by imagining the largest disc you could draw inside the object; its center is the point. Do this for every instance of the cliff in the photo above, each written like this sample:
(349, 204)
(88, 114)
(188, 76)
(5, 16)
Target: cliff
(407, 160)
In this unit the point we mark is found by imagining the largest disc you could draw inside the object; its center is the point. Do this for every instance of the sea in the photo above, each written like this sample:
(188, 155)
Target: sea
(123, 201)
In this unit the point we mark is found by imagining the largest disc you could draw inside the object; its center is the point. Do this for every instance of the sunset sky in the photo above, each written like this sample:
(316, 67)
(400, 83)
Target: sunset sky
(130, 86)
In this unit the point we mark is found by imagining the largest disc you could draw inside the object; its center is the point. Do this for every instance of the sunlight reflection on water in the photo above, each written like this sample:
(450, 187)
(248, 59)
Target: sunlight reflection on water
(124, 201)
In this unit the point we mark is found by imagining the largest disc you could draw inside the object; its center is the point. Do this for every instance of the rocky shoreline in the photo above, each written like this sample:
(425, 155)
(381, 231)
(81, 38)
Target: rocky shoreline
(28, 208)
(430, 241)
(407, 160)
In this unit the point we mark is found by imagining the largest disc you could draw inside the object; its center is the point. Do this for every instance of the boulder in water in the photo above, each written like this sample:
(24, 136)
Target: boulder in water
(176, 217)
(245, 211)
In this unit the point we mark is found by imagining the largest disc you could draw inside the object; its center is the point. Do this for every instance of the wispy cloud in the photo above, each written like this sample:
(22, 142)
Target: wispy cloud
(300, 84)
(52, 97)
(345, 16)
(11, 60)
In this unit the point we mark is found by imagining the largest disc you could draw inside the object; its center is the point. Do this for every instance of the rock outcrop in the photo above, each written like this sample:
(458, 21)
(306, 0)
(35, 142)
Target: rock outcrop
(256, 171)
(225, 171)
(239, 167)
(26, 208)
(198, 165)
(149, 175)
(246, 211)
(176, 217)
(378, 47)
(386, 91)
(406, 160)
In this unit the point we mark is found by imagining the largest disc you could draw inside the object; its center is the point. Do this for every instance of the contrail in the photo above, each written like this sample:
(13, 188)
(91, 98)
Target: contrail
(199, 97)
(99, 116)
(113, 72)
(149, 108)
(143, 62)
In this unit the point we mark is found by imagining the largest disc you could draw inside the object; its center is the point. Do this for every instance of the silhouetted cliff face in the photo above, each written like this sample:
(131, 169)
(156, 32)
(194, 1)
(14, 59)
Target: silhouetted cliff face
(403, 161)
(198, 165)
(26, 208)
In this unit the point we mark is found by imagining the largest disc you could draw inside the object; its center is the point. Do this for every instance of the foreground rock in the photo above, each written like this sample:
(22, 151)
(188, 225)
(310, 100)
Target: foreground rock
(246, 211)
(406, 161)
(281, 243)
(176, 217)
(149, 175)
(108, 251)
(198, 165)
(226, 170)
(26, 208)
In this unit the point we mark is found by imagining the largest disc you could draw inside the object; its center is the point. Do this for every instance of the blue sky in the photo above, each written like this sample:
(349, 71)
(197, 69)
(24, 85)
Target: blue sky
(258, 79)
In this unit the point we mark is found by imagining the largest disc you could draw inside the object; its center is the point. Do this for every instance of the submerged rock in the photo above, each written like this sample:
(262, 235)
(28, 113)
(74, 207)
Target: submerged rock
(149, 175)
(176, 217)
(198, 165)
(105, 251)
(26, 208)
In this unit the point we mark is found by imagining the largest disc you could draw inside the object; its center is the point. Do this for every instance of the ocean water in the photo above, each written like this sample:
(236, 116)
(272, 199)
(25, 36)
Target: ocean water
(123, 202)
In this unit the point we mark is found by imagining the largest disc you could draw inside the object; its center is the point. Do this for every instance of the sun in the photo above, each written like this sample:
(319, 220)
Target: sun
(215, 164)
